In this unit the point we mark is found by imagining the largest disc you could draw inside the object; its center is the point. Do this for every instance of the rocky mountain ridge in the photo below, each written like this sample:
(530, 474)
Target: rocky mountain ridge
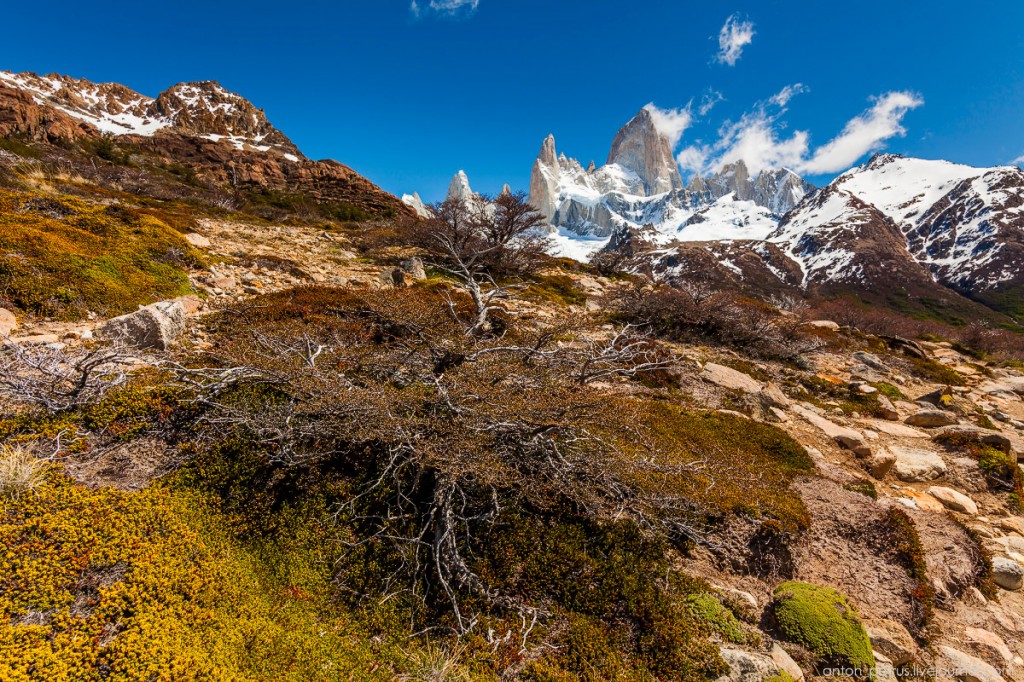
(204, 109)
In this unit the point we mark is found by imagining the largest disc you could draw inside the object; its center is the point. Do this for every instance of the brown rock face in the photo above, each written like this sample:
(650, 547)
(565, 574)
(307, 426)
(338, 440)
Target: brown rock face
(21, 116)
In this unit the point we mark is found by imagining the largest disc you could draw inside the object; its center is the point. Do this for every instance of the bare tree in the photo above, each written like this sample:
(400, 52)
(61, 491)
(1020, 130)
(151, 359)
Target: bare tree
(57, 378)
(627, 353)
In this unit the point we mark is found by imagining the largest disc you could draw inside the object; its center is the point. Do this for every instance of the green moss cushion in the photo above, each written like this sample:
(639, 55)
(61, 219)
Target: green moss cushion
(822, 621)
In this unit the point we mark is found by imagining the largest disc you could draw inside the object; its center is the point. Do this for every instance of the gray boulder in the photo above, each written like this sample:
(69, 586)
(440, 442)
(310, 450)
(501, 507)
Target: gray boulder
(1007, 573)
(153, 326)
(914, 465)
(414, 268)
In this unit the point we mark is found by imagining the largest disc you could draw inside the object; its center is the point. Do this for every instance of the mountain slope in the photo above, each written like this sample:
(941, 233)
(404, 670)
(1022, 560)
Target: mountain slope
(194, 140)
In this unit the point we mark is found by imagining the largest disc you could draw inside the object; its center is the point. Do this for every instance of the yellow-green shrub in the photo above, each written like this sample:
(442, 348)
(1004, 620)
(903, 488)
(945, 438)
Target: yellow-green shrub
(63, 257)
(181, 601)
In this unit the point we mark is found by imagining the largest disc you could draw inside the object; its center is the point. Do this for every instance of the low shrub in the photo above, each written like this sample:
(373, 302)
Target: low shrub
(822, 621)
(62, 257)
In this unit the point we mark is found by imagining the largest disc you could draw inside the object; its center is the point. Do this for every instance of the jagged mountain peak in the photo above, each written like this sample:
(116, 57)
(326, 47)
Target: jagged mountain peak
(640, 148)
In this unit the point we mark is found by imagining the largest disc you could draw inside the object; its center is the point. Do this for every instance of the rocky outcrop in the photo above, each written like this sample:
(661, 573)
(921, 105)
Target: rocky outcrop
(544, 179)
(20, 115)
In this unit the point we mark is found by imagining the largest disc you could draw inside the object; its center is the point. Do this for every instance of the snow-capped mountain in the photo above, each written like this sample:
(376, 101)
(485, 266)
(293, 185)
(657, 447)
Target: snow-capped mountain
(893, 226)
(964, 224)
(640, 185)
(202, 109)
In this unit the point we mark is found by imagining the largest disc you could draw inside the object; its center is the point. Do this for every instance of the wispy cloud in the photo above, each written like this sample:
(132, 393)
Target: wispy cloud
(782, 97)
(1019, 161)
(865, 133)
(671, 123)
(449, 8)
(708, 101)
(734, 36)
(758, 138)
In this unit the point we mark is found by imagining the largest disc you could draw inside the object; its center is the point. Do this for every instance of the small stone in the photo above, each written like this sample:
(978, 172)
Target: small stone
(954, 500)
(881, 464)
(786, 663)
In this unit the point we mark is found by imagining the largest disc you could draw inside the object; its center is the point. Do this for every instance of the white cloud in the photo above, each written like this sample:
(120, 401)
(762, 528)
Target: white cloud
(757, 141)
(709, 100)
(734, 36)
(782, 97)
(1019, 161)
(445, 7)
(864, 133)
(671, 122)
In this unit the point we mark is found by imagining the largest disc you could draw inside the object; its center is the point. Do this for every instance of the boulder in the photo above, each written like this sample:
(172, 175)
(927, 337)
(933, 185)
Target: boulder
(914, 465)
(872, 361)
(931, 418)
(153, 326)
(966, 432)
(954, 500)
(745, 666)
(197, 240)
(968, 668)
(414, 268)
(8, 322)
(727, 377)
(847, 438)
(823, 324)
(394, 277)
(892, 639)
(990, 643)
(1007, 573)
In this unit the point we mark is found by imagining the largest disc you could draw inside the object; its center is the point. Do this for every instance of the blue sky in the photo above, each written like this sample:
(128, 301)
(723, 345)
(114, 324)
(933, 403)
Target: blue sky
(408, 95)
